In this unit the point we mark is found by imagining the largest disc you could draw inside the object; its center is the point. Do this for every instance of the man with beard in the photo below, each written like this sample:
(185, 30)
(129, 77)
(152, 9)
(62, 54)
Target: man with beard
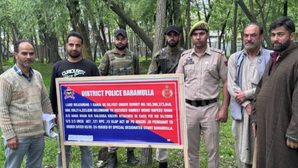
(245, 70)
(203, 68)
(74, 66)
(24, 98)
(275, 110)
(120, 61)
(166, 60)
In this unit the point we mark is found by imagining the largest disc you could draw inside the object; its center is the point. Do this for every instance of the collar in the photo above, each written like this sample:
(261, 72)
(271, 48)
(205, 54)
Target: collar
(258, 53)
(20, 72)
(115, 51)
(176, 50)
(275, 54)
(207, 51)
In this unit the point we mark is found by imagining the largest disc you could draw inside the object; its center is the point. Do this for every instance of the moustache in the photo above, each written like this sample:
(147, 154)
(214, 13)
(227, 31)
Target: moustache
(249, 42)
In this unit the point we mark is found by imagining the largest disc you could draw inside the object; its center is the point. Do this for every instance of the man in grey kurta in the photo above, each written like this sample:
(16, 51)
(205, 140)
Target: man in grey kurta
(245, 70)
(275, 109)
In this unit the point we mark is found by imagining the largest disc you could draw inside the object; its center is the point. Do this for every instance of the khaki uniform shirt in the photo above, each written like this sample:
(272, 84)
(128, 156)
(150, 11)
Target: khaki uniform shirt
(201, 73)
(172, 58)
(105, 68)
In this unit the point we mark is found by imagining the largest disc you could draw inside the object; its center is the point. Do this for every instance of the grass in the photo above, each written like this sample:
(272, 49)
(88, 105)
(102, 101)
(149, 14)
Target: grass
(227, 153)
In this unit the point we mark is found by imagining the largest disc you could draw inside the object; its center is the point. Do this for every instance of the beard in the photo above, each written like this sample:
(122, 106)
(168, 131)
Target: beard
(121, 46)
(281, 46)
(74, 54)
(249, 45)
(27, 63)
(172, 44)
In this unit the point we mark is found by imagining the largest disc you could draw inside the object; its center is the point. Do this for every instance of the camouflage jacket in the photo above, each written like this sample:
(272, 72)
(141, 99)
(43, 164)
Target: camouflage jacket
(115, 64)
(165, 60)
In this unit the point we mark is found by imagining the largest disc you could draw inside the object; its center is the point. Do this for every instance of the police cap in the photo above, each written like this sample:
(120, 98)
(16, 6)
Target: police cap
(201, 25)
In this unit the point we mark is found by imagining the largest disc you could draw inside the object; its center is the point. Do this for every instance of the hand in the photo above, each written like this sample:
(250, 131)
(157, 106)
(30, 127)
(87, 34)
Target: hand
(240, 96)
(12, 143)
(248, 109)
(222, 115)
(292, 144)
(254, 128)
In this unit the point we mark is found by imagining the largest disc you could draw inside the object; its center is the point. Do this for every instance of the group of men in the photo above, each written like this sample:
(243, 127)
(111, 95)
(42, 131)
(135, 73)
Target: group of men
(259, 84)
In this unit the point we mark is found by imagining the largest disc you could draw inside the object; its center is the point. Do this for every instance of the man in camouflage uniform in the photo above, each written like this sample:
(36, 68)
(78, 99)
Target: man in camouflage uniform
(120, 61)
(166, 61)
(203, 68)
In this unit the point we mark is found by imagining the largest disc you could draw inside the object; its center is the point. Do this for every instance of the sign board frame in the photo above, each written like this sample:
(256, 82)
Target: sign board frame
(82, 99)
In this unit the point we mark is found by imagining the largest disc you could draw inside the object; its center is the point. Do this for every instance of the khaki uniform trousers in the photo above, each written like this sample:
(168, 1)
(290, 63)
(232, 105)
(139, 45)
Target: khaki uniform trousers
(203, 120)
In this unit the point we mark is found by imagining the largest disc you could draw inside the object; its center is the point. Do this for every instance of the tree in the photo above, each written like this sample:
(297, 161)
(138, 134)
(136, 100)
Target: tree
(80, 25)
(158, 44)
(234, 37)
(130, 22)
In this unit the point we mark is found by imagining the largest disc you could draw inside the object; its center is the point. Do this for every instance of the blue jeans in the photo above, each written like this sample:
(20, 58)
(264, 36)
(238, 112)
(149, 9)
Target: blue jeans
(86, 155)
(32, 148)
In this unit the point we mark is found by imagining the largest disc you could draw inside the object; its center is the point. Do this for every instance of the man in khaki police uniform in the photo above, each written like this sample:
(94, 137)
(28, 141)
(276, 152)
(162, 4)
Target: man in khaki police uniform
(120, 61)
(203, 67)
(166, 61)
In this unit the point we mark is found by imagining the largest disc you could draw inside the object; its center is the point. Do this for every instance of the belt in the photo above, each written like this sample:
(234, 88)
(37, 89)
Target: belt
(198, 103)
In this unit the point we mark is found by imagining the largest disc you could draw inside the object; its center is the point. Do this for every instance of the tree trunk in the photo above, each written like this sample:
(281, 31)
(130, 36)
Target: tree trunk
(188, 39)
(96, 31)
(178, 20)
(266, 37)
(132, 24)
(79, 26)
(146, 158)
(15, 33)
(110, 39)
(52, 48)
(37, 53)
(234, 37)
(251, 6)
(248, 14)
(1, 54)
(285, 8)
(103, 40)
(222, 32)
(9, 52)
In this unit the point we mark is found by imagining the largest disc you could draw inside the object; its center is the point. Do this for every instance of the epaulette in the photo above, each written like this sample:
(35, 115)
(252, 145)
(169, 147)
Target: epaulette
(186, 52)
(109, 52)
(217, 50)
(156, 54)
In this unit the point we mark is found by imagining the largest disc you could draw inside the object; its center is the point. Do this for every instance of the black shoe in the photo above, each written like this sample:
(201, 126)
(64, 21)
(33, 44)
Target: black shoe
(163, 165)
(131, 159)
(112, 160)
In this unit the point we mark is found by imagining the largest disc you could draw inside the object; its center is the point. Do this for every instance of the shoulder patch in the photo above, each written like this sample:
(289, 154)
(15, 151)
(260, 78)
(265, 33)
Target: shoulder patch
(109, 52)
(156, 54)
(186, 52)
(217, 50)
